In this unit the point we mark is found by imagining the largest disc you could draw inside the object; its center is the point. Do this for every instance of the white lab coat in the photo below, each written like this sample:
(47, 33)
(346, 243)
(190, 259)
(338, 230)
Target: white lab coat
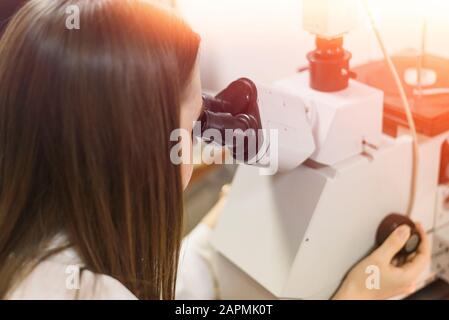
(58, 276)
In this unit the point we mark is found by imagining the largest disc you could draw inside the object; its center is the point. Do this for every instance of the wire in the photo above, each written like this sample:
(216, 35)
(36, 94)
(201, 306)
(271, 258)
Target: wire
(407, 108)
(421, 55)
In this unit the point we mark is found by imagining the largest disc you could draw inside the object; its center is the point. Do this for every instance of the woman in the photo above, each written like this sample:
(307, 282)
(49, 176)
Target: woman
(86, 177)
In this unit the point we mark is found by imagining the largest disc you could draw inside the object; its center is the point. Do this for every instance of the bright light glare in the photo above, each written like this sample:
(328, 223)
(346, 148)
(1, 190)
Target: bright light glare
(435, 11)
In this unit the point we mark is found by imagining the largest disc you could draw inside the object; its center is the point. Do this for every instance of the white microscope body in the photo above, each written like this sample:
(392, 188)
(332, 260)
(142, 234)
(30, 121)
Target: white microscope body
(296, 234)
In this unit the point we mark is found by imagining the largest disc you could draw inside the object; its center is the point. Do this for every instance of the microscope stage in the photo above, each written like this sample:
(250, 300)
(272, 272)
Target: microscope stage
(430, 111)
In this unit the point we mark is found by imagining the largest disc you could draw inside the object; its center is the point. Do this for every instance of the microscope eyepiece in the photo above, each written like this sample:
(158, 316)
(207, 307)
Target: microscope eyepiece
(233, 118)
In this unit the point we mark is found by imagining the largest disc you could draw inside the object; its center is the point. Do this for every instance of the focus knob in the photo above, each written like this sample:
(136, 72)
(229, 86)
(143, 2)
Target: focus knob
(391, 223)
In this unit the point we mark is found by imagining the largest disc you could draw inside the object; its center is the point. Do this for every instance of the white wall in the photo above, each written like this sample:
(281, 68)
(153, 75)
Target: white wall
(264, 40)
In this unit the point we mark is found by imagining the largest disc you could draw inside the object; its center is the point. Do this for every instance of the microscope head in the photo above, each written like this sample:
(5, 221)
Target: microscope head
(282, 125)
(262, 125)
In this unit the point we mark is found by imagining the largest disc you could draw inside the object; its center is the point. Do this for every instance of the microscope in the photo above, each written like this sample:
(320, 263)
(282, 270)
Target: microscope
(343, 158)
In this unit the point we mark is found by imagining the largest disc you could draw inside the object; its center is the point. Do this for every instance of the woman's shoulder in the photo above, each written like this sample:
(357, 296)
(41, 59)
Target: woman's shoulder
(63, 277)
(103, 287)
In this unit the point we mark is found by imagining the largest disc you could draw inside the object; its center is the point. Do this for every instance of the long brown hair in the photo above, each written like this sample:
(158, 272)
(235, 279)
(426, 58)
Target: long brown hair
(85, 122)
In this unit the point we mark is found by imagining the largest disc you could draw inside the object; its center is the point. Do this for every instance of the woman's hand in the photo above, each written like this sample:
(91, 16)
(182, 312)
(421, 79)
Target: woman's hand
(211, 219)
(393, 280)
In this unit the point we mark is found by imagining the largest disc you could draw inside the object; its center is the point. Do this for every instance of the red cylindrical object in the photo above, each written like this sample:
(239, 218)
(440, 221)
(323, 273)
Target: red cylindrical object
(329, 66)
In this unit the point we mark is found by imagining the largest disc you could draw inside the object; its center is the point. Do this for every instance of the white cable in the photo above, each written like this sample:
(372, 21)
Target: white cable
(407, 108)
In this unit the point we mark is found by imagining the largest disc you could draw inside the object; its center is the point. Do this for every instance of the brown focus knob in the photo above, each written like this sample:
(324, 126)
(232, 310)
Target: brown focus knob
(391, 223)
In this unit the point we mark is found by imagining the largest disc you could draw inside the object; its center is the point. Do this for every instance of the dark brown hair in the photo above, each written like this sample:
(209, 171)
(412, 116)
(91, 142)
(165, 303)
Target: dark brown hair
(85, 122)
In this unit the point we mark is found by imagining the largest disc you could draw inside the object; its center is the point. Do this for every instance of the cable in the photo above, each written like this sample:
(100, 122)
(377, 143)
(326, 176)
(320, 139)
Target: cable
(422, 55)
(407, 108)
